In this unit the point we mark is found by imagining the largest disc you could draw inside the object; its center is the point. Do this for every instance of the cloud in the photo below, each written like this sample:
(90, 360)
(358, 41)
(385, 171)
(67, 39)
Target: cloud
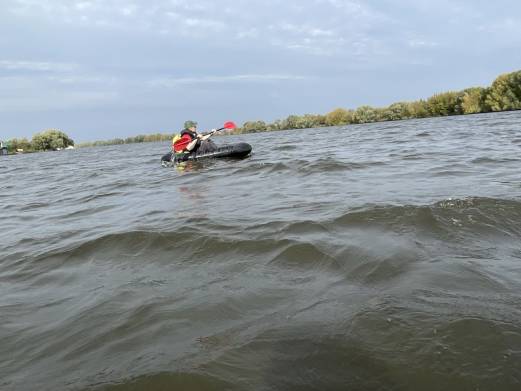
(419, 43)
(320, 27)
(23, 94)
(252, 78)
(79, 79)
(36, 66)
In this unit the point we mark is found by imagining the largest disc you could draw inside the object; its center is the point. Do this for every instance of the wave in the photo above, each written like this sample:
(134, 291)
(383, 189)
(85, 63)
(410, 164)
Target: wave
(489, 160)
(373, 244)
(285, 148)
(319, 166)
(168, 381)
(33, 206)
(303, 255)
(332, 165)
(474, 214)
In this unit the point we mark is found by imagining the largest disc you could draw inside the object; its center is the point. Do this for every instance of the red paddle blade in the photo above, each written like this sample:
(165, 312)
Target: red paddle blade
(229, 125)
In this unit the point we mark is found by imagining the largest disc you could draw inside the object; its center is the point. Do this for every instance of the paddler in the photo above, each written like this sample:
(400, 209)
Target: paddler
(191, 141)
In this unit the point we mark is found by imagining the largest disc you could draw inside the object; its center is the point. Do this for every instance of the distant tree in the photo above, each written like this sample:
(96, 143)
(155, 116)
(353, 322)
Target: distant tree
(50, 140)
(292, 122)
(19, 144)
(446, 103)
(396, 111)
(505, 92)
(365, 114)
(275, 125)
(253, 127)
(473, 100)
(338, 117)
(418, 109)
(311, 121)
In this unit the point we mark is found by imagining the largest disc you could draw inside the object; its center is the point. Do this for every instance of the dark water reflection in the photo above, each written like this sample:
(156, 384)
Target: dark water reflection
(389, 261)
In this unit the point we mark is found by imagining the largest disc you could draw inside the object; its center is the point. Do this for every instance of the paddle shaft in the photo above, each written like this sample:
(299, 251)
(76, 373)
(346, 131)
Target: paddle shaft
(206, 134)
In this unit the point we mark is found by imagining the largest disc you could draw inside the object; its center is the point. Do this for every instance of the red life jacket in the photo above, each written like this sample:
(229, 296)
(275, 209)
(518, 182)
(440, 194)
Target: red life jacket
(186, 137)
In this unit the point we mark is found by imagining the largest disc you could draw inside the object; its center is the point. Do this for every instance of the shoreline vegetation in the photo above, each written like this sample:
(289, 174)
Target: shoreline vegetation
(47, 140)
(504, 94)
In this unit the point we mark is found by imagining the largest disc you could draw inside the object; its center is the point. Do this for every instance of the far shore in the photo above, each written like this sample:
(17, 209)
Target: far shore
(503, 95)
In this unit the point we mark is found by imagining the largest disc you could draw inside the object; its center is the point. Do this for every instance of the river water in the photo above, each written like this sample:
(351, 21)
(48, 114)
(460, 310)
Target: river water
(371, 257)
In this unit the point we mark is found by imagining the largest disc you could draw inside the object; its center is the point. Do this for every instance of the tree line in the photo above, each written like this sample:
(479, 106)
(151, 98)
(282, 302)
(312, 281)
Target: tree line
(48, 140)
(503, 95)
(54, 139)
(141, 138)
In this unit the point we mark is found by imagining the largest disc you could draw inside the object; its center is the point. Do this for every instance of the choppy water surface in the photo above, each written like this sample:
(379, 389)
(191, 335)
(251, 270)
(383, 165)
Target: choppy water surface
(373, 257)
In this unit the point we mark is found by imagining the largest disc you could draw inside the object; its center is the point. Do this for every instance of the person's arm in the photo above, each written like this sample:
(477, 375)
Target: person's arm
(191, 145)
(201, 137)
(207, 136)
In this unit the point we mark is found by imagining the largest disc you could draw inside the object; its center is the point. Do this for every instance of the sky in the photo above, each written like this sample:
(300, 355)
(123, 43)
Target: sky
(100, 69)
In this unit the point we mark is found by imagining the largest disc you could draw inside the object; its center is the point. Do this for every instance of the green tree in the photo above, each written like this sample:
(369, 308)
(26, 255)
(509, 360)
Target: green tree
(292, 122)
(19, 144)
(51, 140)
(473, 100)
(505, 92)
(396, 111)
(365, 114)
(338, 117)
(275, 125)
(312, 121)
(418, 109)
(253, 127)
(446, 103)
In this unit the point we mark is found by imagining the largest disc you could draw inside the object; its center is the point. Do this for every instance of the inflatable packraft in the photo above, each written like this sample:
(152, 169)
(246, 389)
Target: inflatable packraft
(232, 151)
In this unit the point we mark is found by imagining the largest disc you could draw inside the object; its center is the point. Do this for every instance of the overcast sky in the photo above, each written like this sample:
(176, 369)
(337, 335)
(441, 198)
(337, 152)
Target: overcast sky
(99, 69)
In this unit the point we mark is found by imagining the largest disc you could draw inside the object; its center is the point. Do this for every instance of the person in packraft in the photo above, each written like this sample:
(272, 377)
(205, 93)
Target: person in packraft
(192, 142)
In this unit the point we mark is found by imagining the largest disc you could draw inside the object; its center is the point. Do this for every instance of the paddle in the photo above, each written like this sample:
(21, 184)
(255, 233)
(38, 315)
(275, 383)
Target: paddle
(227, 125)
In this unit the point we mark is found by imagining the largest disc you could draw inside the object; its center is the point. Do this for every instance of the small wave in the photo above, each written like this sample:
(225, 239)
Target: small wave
(262, 167)
(389, 126)
(332, 165)
(188, 381)
(87, 212)
(489, 160)
(304, 255)
(33, 206)
(285, 148)
(92, 197)
(447, 217)
(451, 173)
(382, 265)
(414, 156)
(304, 227)
(322, 165)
